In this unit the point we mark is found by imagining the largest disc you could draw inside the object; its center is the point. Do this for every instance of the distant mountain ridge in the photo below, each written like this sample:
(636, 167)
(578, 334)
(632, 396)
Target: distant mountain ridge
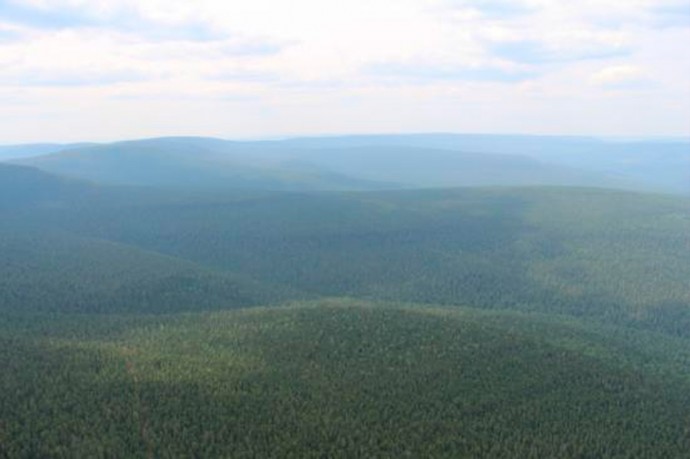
(375, 162)
(663, 164)
(15, 152)
(190, 163)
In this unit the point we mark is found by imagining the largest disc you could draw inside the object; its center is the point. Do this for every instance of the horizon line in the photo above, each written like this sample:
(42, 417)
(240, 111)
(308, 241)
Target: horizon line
(288, 137)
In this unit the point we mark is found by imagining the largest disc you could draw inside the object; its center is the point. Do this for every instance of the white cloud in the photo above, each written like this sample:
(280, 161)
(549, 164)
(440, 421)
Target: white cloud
(291, 65)
(617, 74)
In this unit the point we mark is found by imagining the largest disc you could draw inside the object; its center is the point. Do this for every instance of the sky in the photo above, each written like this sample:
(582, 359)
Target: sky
(76, 70)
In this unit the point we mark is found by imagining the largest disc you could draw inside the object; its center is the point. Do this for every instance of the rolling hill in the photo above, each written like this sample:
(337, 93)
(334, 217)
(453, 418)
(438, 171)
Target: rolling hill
(46, 269)
(371, 162)
(190, 164)
(662, 164)
(212, 164)
(606, 255)
(340, 378)
(424, 167)
(456, 322)
(53, 272)
(22, 186)
(16, 152)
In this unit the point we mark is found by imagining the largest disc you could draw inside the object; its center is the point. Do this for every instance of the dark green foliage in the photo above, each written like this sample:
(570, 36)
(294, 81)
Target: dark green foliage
(340, 379)
(613, 256)
(575, 343)
(55, 272)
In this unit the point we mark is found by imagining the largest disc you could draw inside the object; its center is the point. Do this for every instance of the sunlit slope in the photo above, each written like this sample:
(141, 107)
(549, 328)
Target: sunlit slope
(341, 378)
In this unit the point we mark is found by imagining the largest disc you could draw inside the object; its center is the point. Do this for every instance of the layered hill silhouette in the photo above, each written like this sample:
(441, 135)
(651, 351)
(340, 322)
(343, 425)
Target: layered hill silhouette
(208, 303)
(662, 164)
(191, 164)
(575, 251)
(13, 152)
(374, 162)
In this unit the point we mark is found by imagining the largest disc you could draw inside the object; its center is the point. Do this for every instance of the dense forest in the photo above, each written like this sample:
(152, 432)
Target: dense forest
(340, 378)
(448, 322)
(616, 256)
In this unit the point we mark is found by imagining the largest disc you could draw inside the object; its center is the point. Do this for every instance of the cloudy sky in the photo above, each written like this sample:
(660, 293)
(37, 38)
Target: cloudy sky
(112, 69)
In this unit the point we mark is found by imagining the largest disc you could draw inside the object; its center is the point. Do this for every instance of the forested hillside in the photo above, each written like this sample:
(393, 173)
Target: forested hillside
(464, 322)
(22, 187)
(607, 255)
(322, 229)
(56, 272)
(340, 378)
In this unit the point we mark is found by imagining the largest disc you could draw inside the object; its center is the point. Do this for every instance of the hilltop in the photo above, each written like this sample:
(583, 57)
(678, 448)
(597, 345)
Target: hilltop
(370, 162)
(341, 377)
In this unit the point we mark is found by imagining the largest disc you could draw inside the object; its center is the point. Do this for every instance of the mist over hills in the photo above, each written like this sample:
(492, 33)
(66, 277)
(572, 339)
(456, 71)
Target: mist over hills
(191, 296)
(660, 164)
(21, 186)
(201, 164)
(376, 162)
(574, 251)
(8, 152)
(425, 167)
